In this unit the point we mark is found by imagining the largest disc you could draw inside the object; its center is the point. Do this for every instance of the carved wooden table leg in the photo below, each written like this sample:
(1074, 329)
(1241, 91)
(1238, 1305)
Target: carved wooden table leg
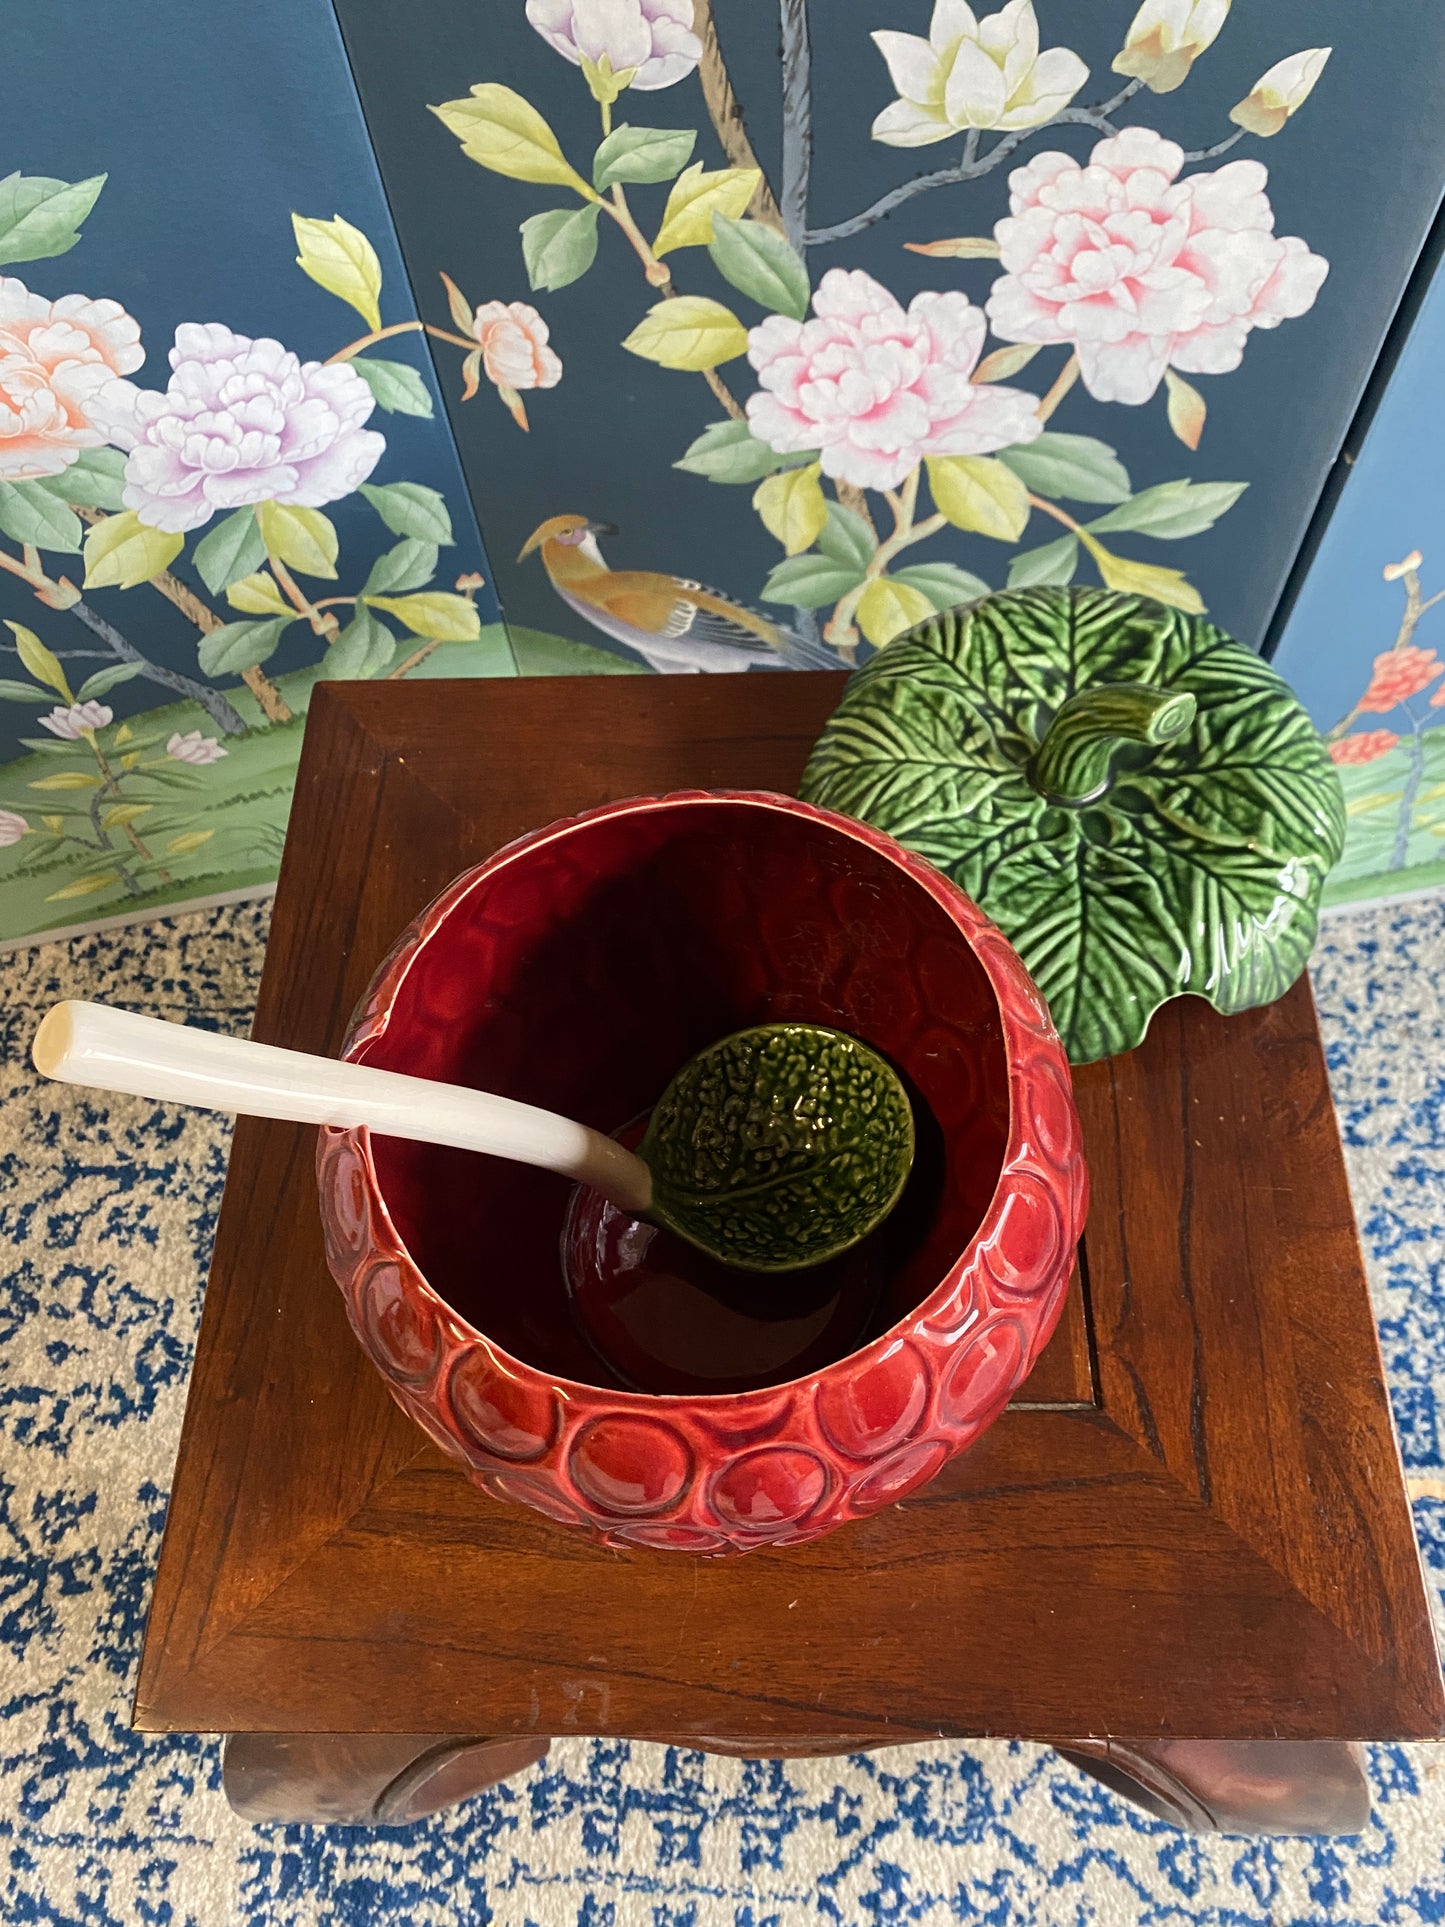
(1236, 1786)
(363, 1779)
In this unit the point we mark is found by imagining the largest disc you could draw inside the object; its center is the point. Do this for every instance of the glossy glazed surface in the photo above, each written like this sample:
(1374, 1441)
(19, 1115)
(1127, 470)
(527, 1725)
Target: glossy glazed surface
(1139, 801)
(578, 969)
(779, 1147)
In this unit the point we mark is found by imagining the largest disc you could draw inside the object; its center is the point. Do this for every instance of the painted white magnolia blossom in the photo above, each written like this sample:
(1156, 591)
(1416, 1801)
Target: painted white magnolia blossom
(1281, 92)
(650, 41)
(973, 73)
(1166, 37)
(12, 827)
(195, 748)
(70, 724)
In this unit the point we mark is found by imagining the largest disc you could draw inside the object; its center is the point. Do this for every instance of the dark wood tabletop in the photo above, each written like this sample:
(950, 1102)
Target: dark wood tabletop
(1192, 1523)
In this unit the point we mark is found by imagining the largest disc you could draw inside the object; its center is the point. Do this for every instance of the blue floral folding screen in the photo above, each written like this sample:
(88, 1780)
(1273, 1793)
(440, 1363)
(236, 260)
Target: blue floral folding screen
(1364, 639)
(223, 469)
(762, 330)
(847, 311)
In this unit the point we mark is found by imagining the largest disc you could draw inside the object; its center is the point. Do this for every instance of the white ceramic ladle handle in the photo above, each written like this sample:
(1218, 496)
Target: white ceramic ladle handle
(119, 1050)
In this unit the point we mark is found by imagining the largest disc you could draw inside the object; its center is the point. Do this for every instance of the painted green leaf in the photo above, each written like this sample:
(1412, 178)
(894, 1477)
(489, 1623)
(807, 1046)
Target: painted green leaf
(690, 332)
(730, 452)
(979, 493)
(106, 679)
(779, 1146)
(847, 538)
(258, 595)
(86, 886)
(791, 507)
(642, 154)
(240, 645)
(1173, 509)
(447, 618)
(364, 647)
(339, 258)
(1072, 468)
(500, 130)
(1121, 572)
(119, 814)
(40, 218)
(29, 513)
(1054, 564)
(22, 692)
(810, 581)
(398, 389)
(696, 196)
(558, 247)
(888, 607)
(302, 538)
(122, 551)
(94, 480)
(411, 508)
(760, 263)
(66, 779)
(42, 663)
(1188, 864)
(944, 583)
(232, 549)
(407, 566)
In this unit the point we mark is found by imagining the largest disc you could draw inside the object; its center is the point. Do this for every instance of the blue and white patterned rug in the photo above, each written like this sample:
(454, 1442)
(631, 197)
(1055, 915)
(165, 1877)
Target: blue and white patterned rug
(106, 1214)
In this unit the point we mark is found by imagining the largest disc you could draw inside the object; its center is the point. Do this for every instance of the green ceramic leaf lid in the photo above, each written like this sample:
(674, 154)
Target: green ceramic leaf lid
(779, 1146)
(1139, 802)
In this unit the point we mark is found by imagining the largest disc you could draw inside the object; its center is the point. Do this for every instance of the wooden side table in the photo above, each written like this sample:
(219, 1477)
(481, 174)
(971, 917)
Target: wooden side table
(1184, 1556)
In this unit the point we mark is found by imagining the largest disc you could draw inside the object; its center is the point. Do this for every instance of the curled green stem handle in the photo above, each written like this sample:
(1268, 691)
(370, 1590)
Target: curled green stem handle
(1073, 763)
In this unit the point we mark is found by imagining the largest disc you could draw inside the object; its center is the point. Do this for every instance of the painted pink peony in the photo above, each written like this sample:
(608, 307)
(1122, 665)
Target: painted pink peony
(55, 359)
(1140, 271)
(651, 39)
(240, 421)
(875, 387)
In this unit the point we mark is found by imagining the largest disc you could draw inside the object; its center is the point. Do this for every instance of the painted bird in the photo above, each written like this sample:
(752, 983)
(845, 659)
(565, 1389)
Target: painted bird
(673, 624)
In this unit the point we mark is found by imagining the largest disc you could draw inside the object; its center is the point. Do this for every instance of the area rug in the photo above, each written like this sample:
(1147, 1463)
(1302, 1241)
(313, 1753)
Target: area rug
(106, 1216)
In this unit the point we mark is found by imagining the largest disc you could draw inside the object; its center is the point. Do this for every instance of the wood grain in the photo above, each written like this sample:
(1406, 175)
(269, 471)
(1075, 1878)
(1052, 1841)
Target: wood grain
(1191, 1526)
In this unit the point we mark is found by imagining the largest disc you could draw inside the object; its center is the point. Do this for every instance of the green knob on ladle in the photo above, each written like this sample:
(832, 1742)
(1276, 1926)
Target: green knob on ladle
(772, 1150)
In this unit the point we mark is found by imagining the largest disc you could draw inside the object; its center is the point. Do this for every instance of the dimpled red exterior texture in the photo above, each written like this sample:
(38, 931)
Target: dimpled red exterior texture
(578, 968)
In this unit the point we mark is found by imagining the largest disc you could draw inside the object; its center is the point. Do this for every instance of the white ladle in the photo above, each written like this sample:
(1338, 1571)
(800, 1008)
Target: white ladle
(119, 1050)
(773, 1149)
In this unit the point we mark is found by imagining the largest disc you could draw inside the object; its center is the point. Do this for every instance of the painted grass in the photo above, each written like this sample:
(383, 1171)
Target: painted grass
(242, 800)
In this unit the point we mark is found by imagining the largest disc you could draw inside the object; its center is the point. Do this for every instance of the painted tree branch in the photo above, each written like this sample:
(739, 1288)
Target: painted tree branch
(274, 706)
(217, 706)
(1219, 147)
(726, 114)
(973, 165)
(64, 595)
(1416, 605)
(797, 120)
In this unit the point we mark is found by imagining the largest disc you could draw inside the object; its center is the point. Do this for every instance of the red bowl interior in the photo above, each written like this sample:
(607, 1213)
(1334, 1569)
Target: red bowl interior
(581, 974)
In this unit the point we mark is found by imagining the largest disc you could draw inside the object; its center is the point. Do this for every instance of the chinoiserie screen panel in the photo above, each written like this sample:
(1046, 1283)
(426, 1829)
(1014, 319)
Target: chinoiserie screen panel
(1362, 643)
(224, 471)
(858, 307)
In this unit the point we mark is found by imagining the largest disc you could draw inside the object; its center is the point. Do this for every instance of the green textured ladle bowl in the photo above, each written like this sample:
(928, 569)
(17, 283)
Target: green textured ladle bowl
(779, 1147)
(775, 1149)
